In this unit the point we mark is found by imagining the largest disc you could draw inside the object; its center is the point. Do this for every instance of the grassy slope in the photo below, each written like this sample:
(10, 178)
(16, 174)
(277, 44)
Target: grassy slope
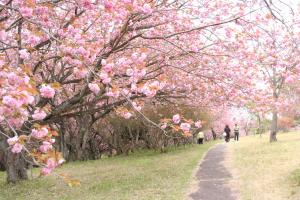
(144, 175)
(268, 171)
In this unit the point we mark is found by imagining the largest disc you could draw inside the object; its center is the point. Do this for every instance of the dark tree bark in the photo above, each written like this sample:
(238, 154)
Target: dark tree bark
(259, 129)
(2, 155)
(77, 144)
(274, 126)
(15, 166)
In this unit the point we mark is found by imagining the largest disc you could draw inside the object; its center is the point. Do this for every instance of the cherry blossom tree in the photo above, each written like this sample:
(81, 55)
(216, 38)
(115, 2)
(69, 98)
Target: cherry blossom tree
(65, 65)
(278, 61)
(84, 59)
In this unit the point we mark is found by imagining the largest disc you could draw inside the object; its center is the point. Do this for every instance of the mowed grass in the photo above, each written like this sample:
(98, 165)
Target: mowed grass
(143, 175)
(268, 171)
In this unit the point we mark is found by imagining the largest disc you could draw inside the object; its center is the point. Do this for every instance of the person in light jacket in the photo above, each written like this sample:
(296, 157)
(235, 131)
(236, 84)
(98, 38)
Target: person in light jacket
(236, 132)
(200, 137)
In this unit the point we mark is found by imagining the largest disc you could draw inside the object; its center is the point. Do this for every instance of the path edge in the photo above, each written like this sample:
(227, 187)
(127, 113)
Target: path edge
(236, 178)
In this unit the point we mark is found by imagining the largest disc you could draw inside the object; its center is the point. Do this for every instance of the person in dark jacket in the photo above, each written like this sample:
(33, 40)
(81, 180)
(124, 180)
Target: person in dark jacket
(213, 134)
(227, 131)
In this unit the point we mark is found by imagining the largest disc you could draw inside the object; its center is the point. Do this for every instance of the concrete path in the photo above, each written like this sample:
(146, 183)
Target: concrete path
(213, 177)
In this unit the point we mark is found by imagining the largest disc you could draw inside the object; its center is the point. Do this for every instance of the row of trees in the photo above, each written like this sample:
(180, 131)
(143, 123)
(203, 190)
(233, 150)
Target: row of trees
(71, 69)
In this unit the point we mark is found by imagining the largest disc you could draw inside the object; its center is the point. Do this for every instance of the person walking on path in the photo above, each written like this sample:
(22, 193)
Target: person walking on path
(236, 132)
(227, 131)
(200, 137)
(213, 134)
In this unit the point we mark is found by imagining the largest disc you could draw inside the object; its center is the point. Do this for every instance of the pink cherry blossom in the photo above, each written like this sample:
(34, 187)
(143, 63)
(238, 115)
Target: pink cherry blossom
(127, 115)
(106, 80)
(114, 94)
(17, 123)
(26, 98)
(185, 127)
(110, 94)
(103, 75)
(3, 35)
(149, 92)
(46, 171)
(108, 68)
(46, 146)
(13, 140)
(61, 161)
(136, 106)
(47, 91)
(17, 148)
(24, 54)
(290, 79)
(198, 124)
(26, 12)
(108, 5)
(164, 126)
(129, 72)
(80, 73)
(142, 73)
(103, 62)
(39, 133)
(87, 4)
(12, 102)
(94, 88)
(143, 57)
(39, 115)
(51, 163)
(13, 79)
(176, 119)
(134, 56)
(147, 9)
(32, 39)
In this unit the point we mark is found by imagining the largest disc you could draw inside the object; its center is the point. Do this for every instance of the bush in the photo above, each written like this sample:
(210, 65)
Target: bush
(127, 135)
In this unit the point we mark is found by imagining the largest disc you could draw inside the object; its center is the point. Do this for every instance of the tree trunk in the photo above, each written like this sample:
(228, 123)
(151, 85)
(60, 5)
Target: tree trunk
(274, 126)
(85, 132)
(15, 167)
(3, 147)
(259, 126)
(14, 164)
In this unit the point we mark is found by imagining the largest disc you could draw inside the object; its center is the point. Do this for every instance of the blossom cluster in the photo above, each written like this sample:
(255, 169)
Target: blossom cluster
(180, 124)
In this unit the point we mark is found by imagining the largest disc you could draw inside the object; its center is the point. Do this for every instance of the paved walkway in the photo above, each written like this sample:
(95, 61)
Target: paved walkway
(213, 177)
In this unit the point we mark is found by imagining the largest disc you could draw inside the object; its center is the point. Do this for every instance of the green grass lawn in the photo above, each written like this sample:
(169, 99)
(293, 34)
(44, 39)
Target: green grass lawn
(268, 171)
(144, 175)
